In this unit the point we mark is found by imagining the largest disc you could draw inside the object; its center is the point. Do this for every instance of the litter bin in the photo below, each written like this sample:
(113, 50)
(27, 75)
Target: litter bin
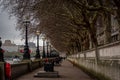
(48, 66)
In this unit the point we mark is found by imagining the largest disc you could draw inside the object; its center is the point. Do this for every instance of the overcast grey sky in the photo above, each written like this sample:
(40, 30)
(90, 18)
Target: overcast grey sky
(7, 28)
(8, 31)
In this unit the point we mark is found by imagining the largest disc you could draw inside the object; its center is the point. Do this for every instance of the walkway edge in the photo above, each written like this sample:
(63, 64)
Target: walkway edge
(90, 72)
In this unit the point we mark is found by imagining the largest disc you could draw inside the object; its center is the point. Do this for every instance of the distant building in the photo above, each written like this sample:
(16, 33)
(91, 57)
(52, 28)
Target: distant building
(31, 45)
(8, 43)
(110, 31)
(8, 46)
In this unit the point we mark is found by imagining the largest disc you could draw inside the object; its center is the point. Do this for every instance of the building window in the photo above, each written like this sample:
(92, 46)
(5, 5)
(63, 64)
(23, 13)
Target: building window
(115, 38)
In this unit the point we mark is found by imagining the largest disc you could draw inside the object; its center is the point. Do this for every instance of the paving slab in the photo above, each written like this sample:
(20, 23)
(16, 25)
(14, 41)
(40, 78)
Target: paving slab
(66, 72)
(44, 74)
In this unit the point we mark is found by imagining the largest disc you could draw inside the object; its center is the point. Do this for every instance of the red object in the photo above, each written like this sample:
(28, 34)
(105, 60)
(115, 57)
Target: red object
(46, 60)
(8, 70)
(2, 50)
(22, 51)
(30, 51)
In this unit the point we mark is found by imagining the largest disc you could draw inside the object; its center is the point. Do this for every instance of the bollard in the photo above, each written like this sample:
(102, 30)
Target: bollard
(7, 71)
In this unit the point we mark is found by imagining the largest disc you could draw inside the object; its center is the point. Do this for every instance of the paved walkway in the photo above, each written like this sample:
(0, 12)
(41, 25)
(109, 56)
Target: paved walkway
(66, 71)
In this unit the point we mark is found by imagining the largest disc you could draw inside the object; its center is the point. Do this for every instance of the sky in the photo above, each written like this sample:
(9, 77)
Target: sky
(8, 31)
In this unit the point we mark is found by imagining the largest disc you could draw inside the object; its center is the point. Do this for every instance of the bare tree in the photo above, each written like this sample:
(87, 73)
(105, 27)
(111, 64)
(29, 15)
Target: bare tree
(64, 22)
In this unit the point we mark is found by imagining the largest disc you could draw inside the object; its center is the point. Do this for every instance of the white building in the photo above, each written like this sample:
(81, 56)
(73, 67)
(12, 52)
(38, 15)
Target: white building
(10, 48)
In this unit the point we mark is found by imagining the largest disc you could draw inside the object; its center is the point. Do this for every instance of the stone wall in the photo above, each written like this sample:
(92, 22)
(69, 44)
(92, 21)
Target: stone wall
(2, 71)
(20, 68)
(109, 64)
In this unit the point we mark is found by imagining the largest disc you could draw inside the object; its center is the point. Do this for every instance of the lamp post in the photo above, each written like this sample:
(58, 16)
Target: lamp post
(50, 50)
(43, 47)
(1, 52)
(26, 54)
(47, 48)
(0, 42)
(37, 56)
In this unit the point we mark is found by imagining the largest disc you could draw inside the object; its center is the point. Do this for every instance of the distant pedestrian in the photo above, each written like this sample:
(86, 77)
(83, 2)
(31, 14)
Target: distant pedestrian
(1, 52)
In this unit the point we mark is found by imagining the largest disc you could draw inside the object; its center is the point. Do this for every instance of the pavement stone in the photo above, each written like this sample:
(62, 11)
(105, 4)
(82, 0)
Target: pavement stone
(66, 72)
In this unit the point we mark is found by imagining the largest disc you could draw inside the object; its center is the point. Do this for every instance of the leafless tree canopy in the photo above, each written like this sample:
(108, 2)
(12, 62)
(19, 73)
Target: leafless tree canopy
(69, 24)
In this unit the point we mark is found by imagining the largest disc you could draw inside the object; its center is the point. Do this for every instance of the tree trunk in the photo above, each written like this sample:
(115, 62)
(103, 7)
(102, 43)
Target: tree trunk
(85, 56)
(117, 3)
(97, 56)
(94, 40)
(107, 26)
(90, 43)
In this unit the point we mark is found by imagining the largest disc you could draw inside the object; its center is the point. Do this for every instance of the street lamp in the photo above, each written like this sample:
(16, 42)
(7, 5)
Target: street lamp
(1, 52)
(37, 56)
(43, 47)
(50, 50)
(47, 48)
(0, 42)
(26, 54)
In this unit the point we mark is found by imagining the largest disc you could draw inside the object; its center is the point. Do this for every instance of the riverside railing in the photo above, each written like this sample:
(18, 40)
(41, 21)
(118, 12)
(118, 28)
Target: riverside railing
(109, 64)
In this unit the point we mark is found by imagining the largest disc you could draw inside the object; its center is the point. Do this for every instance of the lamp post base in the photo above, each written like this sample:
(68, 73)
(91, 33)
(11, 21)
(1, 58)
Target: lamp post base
(37, 56)
(43, 56)
(26, 54)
